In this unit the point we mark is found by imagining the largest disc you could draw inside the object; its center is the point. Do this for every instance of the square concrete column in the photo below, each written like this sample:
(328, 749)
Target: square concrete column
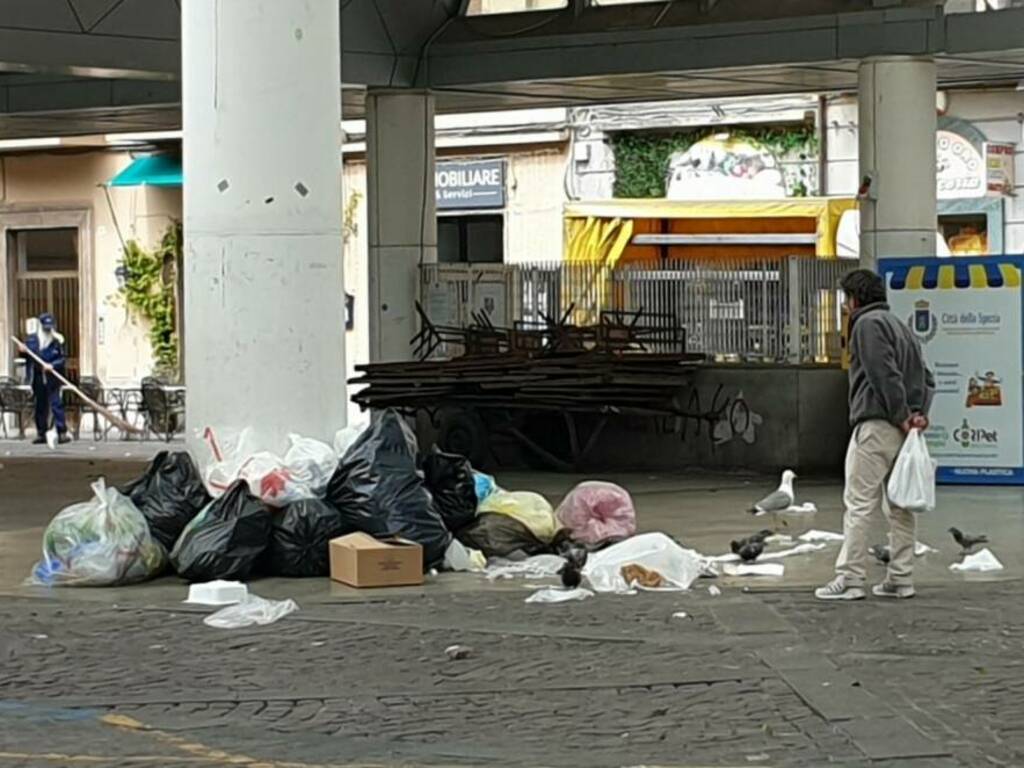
(264, 297)
(896, 101)
(401, 214)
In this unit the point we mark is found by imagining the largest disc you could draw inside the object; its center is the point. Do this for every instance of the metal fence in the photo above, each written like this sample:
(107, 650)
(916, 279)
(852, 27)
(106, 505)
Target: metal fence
(742, 310)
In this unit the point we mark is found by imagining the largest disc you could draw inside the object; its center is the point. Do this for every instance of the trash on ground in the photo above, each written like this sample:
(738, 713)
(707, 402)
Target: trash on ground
(102, 542)
(799, 549)
(980, 562)
(597, 511)
(235, 456)
(645, 578)
(714, 591)
(678, 567)
(310, 463)
(536, 567)
(459, 557)
(360, 560)
(920, 549)
(815, 535)
(500, 536)
(484, 484)
(379, 490)
(449, 478)
(253, 610)
(912, 482)
(530, 509)
(458, 652)
(168, 494)
(556, 595)
(680, 615)
(300, 536)
(217, 592)
(780, 539)
(225, 540)
(753, 569)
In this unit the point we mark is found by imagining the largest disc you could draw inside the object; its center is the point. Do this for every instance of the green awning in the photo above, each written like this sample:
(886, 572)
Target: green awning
(163, 170)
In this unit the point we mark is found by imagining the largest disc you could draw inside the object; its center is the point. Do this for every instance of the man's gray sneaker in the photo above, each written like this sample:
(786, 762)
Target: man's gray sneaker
(837, 589)
(896, 591)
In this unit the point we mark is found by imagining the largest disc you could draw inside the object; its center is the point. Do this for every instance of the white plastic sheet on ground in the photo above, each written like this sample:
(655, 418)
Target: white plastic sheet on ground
(754, 569)
(980, 562)
(555, 595)
(255, 610)
(920, 548)
(815, 535)
(679, 567)
(799, 549)
(536, 567)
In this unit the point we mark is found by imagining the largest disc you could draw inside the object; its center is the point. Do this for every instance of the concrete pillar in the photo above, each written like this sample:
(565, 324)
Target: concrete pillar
(264, 297)
(401, 214)
(897, 156)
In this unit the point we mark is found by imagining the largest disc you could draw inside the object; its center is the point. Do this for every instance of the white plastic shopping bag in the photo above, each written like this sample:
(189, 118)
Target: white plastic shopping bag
(912, 482)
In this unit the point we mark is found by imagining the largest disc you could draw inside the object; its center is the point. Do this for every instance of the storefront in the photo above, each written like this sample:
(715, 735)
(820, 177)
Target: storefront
(471, 197)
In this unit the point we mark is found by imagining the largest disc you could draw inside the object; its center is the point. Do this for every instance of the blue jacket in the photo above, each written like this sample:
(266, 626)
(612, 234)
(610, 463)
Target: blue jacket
(53, 354)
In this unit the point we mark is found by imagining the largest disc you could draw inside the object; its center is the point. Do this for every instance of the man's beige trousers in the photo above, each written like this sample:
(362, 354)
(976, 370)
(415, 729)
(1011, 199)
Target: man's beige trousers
(869, 460)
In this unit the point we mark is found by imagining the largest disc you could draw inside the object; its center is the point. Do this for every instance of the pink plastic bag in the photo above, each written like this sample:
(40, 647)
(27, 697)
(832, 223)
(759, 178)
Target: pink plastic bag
(595, 511)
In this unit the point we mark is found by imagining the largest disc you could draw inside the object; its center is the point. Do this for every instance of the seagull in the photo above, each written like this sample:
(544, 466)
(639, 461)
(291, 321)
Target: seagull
(780, 499)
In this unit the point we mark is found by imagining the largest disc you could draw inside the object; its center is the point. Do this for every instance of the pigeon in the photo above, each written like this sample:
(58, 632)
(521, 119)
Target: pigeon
(748, 552)
(881, 552)
(571, 572)
(779, 499)
(760, 537)
(966, 541)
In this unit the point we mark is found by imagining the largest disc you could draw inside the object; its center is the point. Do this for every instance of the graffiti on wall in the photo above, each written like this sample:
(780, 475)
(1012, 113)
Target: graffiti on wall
(722, 417)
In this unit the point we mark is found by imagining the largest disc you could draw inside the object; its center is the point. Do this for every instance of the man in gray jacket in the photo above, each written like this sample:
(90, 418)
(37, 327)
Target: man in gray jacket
(891, 390)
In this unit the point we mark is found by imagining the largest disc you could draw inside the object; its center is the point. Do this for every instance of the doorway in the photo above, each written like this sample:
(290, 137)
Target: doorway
(46, 265)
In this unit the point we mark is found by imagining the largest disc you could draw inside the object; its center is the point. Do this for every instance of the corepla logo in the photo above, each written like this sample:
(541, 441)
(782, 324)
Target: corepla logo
(966, 435)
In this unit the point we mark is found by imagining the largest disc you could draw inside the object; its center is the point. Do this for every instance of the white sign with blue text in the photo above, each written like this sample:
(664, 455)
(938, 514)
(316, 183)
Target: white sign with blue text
(967, 314)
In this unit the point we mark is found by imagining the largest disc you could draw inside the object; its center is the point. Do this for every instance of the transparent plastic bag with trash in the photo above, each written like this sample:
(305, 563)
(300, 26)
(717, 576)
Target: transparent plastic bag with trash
(654, 553)
(99, 543)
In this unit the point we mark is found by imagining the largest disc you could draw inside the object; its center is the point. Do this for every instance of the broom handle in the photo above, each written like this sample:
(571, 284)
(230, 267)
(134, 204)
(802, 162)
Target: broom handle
(116, 420)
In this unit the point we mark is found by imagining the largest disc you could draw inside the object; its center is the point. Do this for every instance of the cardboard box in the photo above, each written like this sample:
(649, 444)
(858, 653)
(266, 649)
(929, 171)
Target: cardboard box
(360, 560)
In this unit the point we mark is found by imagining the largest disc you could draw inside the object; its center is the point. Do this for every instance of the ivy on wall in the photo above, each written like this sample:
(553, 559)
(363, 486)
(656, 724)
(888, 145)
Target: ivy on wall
(148, 291)
(641, 159)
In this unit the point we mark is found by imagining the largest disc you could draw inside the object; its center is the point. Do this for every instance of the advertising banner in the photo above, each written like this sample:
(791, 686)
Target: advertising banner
(967, 314)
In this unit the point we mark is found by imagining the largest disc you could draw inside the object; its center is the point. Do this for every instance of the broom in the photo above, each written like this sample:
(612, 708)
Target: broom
(113, 418)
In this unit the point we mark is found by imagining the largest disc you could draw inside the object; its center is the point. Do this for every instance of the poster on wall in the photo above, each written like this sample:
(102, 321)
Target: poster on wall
(967, 314)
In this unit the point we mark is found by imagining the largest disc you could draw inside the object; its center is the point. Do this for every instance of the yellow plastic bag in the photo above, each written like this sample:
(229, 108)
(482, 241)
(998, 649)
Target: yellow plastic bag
(530, 509)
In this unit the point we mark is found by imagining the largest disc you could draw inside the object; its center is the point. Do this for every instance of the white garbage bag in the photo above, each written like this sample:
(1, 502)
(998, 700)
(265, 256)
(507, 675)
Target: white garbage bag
(311, 463)
(678, 567)
(912, 482)
(979, 562)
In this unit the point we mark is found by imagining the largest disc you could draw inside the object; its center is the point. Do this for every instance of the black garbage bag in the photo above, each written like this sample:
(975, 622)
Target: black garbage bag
(168, 494)
(300, 537)
(449, 478)
(500, 536)
(378, 489)
(225, 540)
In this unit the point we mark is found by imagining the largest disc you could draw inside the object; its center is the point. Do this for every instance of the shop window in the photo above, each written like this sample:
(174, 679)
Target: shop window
(471, 239)
(487, 7)
(624, 2)
(966, 234)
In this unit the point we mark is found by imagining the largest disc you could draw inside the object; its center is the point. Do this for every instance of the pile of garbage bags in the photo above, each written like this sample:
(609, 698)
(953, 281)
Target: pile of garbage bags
(249, 513)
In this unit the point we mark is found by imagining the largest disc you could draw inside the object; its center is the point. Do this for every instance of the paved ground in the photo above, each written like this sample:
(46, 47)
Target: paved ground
(760, 675)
